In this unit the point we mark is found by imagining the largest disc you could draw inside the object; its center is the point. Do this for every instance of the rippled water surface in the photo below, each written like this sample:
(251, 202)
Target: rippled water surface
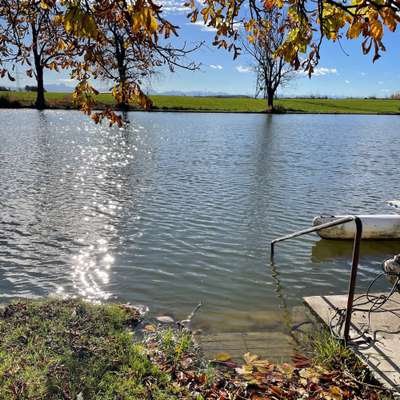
(180, 208)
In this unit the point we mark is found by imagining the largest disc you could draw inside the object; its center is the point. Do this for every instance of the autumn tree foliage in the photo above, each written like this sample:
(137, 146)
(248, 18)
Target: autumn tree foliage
(32, 35)
(124, 58)
(124, 41)
(126, 54)
(307, 23)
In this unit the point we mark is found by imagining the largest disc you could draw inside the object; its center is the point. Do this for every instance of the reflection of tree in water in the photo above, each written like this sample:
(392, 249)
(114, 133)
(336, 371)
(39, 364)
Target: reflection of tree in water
(262, 204)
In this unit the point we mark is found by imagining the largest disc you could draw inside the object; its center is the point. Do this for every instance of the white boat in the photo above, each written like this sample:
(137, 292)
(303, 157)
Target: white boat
(374, 227)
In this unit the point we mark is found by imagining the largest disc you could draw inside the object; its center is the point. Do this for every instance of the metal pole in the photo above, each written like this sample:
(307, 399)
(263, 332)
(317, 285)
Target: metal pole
(336, 222)
(353, 277)
(354, 264)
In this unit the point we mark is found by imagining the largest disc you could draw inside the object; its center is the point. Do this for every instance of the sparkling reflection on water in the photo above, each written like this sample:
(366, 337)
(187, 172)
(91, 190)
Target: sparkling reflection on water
(179, 208)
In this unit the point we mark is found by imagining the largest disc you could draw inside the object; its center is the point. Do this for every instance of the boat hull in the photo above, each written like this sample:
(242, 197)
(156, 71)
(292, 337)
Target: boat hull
(375, 227)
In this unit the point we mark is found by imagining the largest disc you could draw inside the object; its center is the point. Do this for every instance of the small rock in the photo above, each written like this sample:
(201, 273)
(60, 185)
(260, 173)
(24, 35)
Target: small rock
(143, 309)
(165, 319)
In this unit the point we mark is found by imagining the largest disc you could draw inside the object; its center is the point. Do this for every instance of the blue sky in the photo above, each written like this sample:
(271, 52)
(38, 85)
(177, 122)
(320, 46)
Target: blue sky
(338, 74)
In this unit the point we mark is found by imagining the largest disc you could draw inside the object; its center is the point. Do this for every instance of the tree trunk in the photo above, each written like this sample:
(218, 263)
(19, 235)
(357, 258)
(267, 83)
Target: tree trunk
(120, 54)
(40, 102)
(270, 99)
(123, 105)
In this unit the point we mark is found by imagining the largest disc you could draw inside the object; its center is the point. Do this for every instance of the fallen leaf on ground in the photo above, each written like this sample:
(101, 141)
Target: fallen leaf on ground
(223, 357)
(150, 328)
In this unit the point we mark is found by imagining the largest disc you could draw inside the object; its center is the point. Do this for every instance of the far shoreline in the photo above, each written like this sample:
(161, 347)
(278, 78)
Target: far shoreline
(180, 111)
(219, 105)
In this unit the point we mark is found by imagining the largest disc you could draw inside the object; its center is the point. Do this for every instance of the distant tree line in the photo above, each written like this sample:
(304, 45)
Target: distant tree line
(29, 88)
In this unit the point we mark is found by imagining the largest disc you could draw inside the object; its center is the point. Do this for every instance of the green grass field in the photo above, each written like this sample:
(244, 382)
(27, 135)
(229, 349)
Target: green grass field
(356, 106)
(222, 104)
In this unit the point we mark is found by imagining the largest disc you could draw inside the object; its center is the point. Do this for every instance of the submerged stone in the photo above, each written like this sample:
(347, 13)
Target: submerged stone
(165, 319)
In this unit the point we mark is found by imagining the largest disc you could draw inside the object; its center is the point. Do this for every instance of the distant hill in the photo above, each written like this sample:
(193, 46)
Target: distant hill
(59, 87)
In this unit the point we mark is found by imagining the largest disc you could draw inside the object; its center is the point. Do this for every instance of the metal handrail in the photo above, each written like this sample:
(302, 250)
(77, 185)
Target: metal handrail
(354, 263)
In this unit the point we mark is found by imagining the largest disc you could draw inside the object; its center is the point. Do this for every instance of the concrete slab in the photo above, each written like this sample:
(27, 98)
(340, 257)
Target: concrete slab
(375, 334)
(274, 346)
(211, 321)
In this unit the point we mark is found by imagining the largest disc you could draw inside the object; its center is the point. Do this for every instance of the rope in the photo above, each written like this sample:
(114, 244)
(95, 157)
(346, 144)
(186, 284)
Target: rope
(368, 303)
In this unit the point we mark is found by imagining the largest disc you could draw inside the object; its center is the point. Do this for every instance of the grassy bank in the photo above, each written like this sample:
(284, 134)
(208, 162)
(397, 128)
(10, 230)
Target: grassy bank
(351, 106)
(75, 350)
(69, 349)
(220, 104)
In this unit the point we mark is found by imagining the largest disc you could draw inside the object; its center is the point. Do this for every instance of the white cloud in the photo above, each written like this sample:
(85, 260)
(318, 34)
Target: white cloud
(363, 73)
(244, 70)
(347, 81)
(237, 25)
(62, 81)
(67, 80)
(203, 26)
(200, 23)
(173, 6)
(319, 71)
(213, 66)
(380, 82)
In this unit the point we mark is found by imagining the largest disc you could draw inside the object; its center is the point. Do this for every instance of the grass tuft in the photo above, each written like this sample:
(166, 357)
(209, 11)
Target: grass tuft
(333, 354)
(328, 351)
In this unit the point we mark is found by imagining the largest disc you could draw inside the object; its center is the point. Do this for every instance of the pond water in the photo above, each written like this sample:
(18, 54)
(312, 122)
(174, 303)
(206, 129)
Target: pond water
(179, 208)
